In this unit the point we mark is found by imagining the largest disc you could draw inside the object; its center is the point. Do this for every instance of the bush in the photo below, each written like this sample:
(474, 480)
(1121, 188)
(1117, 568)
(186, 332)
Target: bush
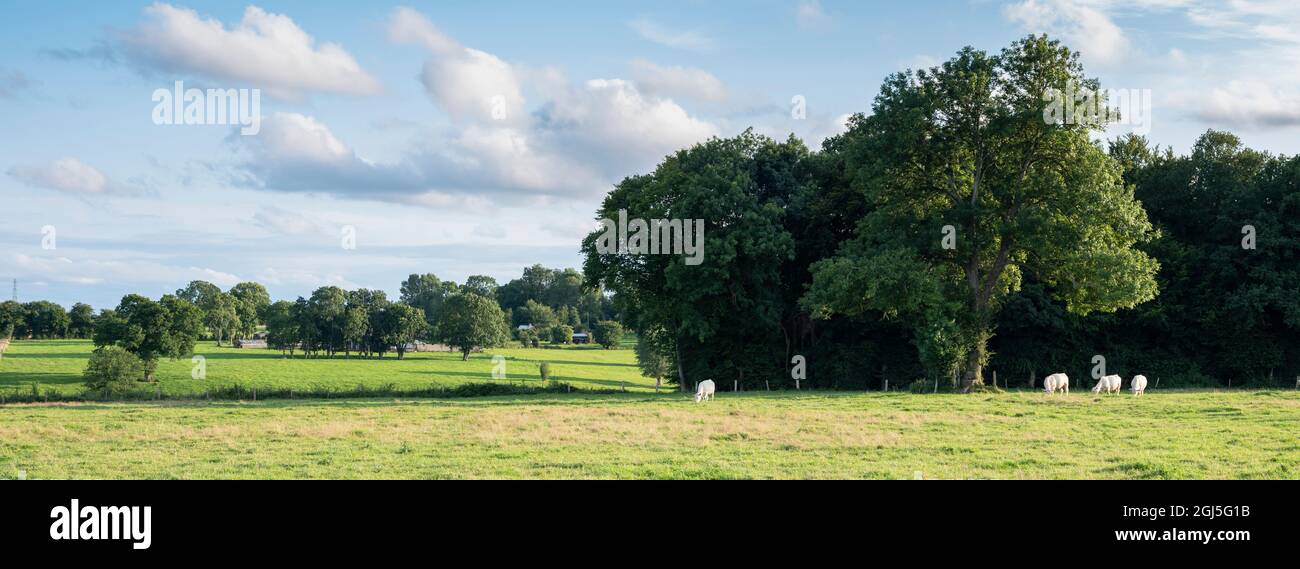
(113, 370)
(562, 334)
(544, 369)
(609, 333)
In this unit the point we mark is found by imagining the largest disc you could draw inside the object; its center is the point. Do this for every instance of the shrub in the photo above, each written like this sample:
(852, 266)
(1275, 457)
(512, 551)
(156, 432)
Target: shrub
(112, 370)
(608, 333)
(544, 369)
(562, 334)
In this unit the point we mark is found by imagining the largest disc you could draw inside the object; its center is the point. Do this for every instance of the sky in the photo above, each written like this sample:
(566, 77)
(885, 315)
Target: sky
(463, 138)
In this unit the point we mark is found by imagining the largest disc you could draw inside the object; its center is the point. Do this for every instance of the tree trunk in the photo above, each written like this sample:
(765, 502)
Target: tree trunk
(974, 364)
(464, 355)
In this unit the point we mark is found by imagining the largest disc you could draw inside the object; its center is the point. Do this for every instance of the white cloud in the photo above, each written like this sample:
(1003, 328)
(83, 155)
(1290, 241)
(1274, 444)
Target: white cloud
(688, 39)
(119, 271)
(281, 221)
(677, 81)
(1085, 27)
(264, 50)
(65, 174)
(465, 82)
(809, 15)
(576, 143)
(1247, 104)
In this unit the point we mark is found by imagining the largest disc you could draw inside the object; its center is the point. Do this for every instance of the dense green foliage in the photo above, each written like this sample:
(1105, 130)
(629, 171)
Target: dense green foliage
(150, 329)
(471, 322)
(608, 333)
(112, 370)
(1064, 253)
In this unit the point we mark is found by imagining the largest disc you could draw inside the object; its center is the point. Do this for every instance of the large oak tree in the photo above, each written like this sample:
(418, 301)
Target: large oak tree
(965, 151)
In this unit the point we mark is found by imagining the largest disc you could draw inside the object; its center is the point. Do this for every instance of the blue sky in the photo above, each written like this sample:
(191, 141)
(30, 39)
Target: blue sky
(477, 138)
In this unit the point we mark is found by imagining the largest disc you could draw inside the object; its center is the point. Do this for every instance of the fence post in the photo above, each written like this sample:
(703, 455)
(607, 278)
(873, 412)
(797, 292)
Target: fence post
(886, 386)
(735, 385)
(995, 378)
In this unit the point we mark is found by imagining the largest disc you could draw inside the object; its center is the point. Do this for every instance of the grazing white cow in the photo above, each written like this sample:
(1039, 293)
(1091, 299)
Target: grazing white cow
(1109, 384)
(1139, 384)
(1057, 382)
(705, 390)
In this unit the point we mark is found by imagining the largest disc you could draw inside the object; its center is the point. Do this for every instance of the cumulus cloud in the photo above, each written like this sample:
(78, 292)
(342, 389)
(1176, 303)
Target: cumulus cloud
(465, 82)
(264, 50)
(575, 143)
(64, 174)
(1247, 51)
(677, 81)
(653, 31)
(1084, 26)
(1247, 104)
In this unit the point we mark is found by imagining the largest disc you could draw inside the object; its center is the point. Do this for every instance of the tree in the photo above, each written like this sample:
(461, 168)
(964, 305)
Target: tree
(112, 370)
(539, 315)
(403, 325)
(13, 317)
(481, 285)
(326, 311)
(281, 327)
(81, 321)
(428, 293)
(151, 329)
(379, 331)
(964, 150)
(561, 334)
(608, 333)
(251, 301)
(199, 293)
(46, 319)
(356, 329)
(470, 321)
(652, 357)
(736, 189)
(220, 315)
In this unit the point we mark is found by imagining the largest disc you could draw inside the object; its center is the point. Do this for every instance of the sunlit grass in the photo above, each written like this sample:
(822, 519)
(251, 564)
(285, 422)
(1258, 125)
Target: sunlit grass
(58, 365)
(1192, 434)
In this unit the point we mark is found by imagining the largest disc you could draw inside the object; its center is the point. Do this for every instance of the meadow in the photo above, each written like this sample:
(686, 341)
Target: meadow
(1165, 435)
(57, 366)
(795, 434)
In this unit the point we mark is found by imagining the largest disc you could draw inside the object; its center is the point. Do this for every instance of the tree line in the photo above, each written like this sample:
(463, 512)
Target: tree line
(330, 322)
(953, 229)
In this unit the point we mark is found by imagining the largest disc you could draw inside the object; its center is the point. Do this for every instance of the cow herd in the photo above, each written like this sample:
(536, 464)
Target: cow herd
(1059, 382)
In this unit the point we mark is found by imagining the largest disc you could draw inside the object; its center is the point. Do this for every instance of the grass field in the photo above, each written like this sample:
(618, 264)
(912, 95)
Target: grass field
(757, 435)
(1165, 434)
(58, 364)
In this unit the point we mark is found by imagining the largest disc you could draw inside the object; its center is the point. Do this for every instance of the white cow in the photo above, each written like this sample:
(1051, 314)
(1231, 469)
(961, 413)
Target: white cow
(1139, 384)
(705, 390)
(1109, 384)
(1057, 382)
